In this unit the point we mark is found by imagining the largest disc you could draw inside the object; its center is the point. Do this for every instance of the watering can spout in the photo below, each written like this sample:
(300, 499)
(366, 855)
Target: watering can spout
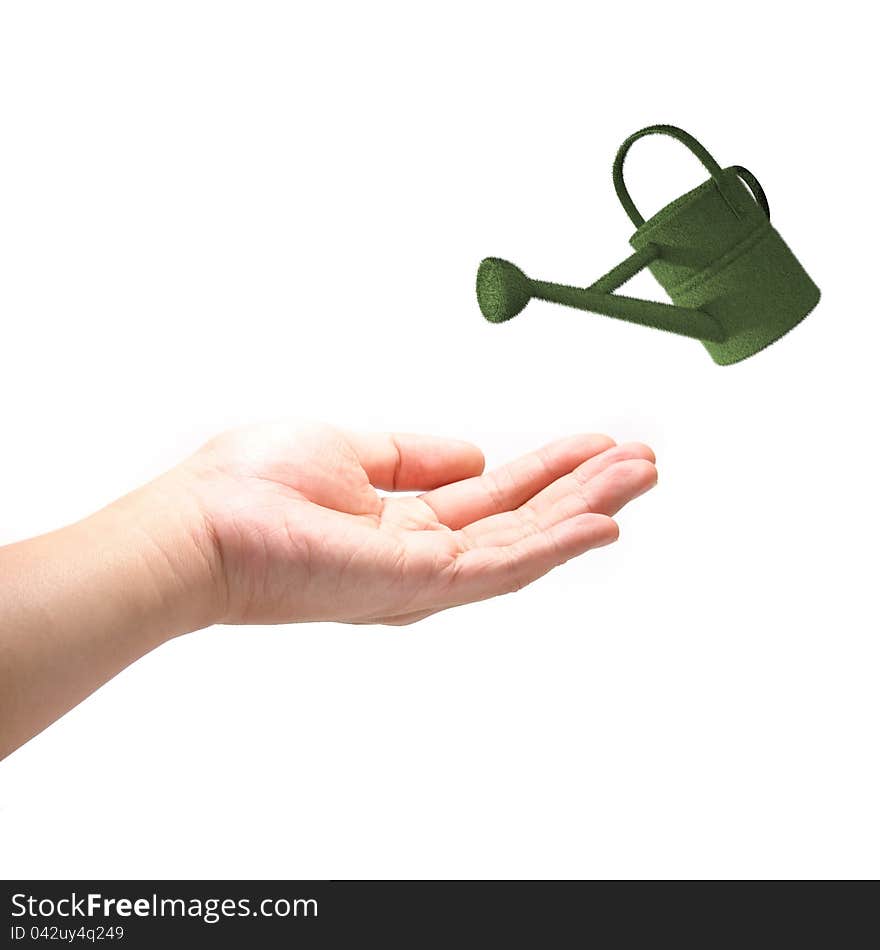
(503, 290)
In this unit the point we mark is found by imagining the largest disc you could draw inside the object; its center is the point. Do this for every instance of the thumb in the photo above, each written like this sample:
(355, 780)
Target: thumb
(404, 462)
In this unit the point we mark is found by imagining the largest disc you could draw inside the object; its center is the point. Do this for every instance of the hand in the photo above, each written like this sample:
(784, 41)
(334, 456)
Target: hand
(275, 524)
(293, 528)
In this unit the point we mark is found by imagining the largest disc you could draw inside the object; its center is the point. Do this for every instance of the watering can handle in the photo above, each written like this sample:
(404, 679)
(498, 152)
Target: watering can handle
(701, 153)
(755, 188)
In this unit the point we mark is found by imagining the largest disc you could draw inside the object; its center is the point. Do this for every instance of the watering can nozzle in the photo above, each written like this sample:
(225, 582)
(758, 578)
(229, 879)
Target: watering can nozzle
(502, 289)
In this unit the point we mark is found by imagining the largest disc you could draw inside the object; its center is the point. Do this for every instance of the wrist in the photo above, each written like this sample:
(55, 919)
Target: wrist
(163, 548)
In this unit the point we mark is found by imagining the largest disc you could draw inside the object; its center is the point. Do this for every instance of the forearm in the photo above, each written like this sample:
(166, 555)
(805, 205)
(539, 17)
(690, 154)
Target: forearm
(82, 603)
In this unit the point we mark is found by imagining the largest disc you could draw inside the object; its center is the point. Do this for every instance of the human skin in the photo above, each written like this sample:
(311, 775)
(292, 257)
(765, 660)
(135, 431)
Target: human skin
(284, 523)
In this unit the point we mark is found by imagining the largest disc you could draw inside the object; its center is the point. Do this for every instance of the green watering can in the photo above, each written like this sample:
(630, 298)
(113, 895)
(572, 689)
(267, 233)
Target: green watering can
(733, 281)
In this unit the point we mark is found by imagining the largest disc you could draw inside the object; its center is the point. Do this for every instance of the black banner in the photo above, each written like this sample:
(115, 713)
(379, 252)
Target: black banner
(129, 915)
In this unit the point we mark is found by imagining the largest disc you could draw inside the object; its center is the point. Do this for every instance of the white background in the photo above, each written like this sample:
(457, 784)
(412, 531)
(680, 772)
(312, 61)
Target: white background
(219, 213)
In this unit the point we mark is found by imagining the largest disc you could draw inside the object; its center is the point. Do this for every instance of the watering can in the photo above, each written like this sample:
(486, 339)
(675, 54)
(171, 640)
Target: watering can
(734, 283)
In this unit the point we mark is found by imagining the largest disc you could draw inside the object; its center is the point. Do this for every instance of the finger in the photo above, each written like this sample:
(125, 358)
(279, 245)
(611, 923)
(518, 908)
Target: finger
(511, 485)
(487, 572)
(581, 477)
(402, 462)
(400, 620)
(608, 492)
(616, 483)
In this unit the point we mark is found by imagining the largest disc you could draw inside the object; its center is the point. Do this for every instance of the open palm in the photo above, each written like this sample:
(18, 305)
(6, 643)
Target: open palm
(302, 532)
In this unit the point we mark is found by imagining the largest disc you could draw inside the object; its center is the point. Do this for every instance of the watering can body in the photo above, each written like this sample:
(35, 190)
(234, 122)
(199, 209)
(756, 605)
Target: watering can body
(734, 283)
(718, 253)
